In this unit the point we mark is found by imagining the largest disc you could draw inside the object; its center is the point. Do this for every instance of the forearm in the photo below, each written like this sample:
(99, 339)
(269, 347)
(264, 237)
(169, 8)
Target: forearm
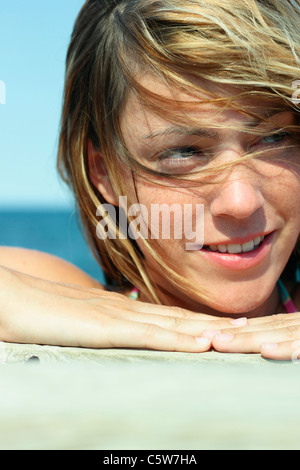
(37, 311)
(34, 310)
(13, 280)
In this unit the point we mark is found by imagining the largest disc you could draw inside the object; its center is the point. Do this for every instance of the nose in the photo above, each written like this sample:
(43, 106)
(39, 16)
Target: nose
(238, 195)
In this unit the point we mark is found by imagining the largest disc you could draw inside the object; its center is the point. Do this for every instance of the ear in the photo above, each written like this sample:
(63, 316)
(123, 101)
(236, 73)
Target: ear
(99, 176)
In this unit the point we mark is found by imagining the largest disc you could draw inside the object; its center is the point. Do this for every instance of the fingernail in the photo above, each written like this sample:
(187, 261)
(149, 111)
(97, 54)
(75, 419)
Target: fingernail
(224, 338)
(239, 322)
(269, 345)
(204, 342)
(210, 333)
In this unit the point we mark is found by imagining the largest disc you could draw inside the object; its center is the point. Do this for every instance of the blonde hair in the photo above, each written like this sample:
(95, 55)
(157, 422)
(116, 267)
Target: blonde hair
(251, 44)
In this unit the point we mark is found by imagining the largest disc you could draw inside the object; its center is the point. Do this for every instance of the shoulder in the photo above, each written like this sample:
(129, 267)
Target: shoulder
(45, 266)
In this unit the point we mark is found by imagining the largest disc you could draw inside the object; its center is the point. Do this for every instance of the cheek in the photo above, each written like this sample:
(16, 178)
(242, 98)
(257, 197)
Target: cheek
(175, 224)
(279, 182)
(164, 227)
(285, 194)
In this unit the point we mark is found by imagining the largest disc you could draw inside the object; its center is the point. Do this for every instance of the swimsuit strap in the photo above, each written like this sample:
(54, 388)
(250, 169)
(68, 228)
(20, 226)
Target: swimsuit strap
(286, 298)
(134, 294)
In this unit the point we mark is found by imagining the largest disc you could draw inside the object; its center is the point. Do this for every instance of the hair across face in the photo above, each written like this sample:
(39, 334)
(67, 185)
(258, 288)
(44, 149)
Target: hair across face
(197, 50)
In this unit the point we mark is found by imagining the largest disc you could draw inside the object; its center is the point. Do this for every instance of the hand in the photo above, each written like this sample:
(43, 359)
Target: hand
(275, 337)
(37, 311)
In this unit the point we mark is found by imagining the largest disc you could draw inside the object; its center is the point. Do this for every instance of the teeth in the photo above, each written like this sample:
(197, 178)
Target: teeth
(258, 240)
(236, 248)
(248, 246)
(222, 248)
(214, 247)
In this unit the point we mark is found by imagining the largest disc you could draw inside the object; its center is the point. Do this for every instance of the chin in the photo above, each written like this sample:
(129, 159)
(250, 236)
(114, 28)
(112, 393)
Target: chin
(241, 297)
(236, 309)
(239, 306)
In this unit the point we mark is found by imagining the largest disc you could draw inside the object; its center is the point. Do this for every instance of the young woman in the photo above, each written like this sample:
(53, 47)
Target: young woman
(188, 104)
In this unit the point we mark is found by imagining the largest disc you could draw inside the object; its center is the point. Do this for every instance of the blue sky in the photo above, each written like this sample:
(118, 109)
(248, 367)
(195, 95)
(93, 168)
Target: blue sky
(34, 36)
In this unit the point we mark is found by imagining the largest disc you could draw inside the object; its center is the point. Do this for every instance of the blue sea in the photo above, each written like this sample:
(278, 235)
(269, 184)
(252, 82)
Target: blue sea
(57, 232)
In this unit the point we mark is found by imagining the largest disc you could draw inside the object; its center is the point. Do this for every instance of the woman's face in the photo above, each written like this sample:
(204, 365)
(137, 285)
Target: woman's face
(255, 198)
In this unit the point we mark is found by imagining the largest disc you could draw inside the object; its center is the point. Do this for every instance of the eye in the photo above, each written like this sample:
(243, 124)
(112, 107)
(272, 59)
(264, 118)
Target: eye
(275, 138)
(181, 160)
(180, 153)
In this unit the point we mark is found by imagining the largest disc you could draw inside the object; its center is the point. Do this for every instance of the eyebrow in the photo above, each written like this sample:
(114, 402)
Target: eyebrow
(204, 132)
(180, 131)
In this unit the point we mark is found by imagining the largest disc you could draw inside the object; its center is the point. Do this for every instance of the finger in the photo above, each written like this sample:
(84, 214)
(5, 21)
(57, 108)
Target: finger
(285, 351)
(129, 334)
(251, 342)
(218, 321)
(156, 309)
(274, 318)
(170, 310)
(250, 327)
(176, 323)
(173, 323)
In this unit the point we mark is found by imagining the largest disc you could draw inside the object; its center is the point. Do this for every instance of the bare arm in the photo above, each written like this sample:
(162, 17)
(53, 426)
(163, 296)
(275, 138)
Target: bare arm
(45, 266)
(45, 300)
(54, 303)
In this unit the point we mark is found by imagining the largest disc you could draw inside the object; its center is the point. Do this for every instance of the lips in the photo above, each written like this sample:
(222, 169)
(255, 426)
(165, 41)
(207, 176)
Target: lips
(240, 240)
(241, 260)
